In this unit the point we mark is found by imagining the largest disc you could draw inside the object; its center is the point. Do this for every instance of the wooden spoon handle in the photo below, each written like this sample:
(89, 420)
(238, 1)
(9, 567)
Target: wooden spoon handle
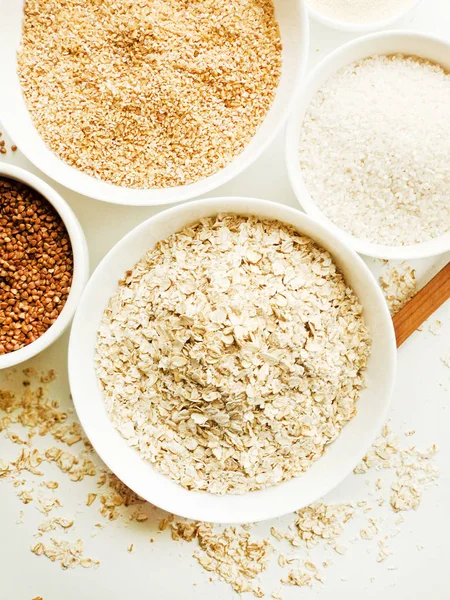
(422, 305)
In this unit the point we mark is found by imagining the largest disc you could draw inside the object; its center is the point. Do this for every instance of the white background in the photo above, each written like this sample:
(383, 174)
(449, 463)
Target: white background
(165, 570)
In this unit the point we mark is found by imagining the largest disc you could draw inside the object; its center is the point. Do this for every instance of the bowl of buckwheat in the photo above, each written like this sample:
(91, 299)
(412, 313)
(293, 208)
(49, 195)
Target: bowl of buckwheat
(44, 265)
(231, 360)
(141, 113)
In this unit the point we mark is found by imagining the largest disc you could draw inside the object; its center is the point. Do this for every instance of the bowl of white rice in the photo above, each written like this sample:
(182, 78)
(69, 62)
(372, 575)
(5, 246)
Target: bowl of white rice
(368, 142)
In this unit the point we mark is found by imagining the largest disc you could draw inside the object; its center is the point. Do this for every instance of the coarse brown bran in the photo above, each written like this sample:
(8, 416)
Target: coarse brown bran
(149, 94)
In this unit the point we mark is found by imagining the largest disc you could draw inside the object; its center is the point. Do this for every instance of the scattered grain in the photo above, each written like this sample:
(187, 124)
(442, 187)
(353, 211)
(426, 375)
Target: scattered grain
(435, 327)
(51, 485)
(414, 469)
(53, 524)
(446, 359)
(299, 578)
(399, 286)
(68, 554)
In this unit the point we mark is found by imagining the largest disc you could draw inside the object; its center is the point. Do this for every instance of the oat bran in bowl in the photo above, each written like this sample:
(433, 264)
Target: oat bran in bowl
(147, 103)
(260, 498)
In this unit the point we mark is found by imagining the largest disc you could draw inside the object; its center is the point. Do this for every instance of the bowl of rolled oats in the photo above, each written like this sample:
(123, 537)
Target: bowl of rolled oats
(231, 360)
(147, 103)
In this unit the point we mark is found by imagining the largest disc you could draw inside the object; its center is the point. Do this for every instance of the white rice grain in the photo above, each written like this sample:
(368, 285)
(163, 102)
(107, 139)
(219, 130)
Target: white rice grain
(375, 148)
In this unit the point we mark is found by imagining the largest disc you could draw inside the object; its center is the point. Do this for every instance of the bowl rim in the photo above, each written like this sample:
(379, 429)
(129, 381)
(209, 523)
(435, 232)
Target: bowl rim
(80, 270)
(350, 27)
(113, 194)
(115, 458)
(435, 246)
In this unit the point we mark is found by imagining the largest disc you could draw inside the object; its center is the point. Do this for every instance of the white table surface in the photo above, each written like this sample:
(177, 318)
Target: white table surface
(165, 570)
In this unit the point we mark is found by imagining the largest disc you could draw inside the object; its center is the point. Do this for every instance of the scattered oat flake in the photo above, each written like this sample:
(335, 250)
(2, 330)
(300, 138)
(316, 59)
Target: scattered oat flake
(26, 495)
(398, 285)
(298, 578)
(91, 499)
(320, 522)
(68, 554)
(232, 553)
(51, 485)
(52, 524)
(45, 504)
(164, 523)
(446, 359)
(282, 560)
(435, 327)
(70, 434)
(76, 466)
(184, 530)
(130, 548)
(117, 495)
(414, 469)
(340, 549)
(140, 517)
(276, 534)
(366, 534)
(383, 555)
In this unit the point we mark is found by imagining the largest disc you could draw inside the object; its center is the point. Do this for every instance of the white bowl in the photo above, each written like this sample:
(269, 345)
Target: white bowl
(340, 457)
(351, 27)
(80, 271)
(392, 42)
(293, 20)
